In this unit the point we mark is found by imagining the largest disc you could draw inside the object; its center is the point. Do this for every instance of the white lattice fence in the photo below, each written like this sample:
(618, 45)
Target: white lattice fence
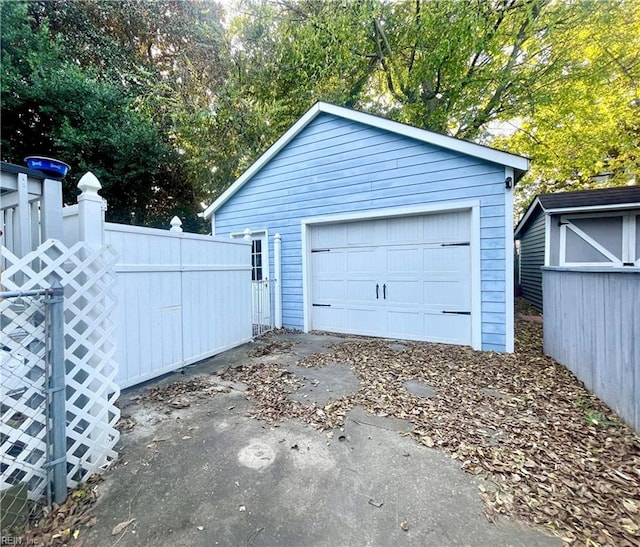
(23, 382)
(88, 279)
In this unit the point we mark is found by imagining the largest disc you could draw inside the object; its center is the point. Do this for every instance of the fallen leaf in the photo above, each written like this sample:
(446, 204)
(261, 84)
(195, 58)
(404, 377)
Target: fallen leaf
(120, 527)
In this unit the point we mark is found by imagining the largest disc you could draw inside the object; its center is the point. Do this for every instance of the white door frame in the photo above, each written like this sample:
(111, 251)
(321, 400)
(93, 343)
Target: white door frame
(371, 214)
(261, 294)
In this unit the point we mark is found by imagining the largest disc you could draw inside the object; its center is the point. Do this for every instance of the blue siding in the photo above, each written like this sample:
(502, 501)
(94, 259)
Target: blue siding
(336, 166)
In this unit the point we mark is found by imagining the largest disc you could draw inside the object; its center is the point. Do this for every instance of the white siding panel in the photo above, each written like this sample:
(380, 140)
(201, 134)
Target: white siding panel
(181, 298)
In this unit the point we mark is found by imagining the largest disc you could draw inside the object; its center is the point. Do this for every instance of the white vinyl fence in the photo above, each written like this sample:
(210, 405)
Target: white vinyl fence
(181, 298)
(592, 326)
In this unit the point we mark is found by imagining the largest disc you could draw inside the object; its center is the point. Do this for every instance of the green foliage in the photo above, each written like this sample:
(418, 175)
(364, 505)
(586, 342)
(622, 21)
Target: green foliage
(167, 107)
(589, 128)
(91, 108)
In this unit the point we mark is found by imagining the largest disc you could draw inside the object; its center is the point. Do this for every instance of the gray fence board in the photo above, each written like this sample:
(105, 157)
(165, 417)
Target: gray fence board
(592, 326)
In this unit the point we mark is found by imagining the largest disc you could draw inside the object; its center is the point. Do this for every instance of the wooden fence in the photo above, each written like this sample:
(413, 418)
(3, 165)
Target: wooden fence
(592, 326)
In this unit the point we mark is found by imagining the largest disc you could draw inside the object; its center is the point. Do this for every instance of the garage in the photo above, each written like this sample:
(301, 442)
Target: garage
(405, 277)
(377, 228)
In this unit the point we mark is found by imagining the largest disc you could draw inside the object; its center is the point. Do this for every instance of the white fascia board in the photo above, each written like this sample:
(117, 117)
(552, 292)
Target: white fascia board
(450, 143)
(518, 163)
(265, 158)
(594, 208)
(526, 216)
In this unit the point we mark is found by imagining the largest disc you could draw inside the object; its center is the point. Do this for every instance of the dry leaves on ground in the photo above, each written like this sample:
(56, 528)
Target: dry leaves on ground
(275, 346)
(557, 455)
(181, 394)
(59, 525)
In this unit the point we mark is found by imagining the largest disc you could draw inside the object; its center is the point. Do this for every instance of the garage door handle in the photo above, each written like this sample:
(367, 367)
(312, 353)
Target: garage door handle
(377, 291)
(457, 312)
(384, 291)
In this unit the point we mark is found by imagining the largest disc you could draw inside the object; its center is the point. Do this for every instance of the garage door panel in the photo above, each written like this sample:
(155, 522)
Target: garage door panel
(440, 259)
(403, 324)
(421, 264)
(325, 290)
(403, 260)
(446, 227)
(362, 233)
(330, 235)
(329, 318)
(361, 290)
(363, 321)
(361, 260)
(403, 292)
(446, 294)
(404, 230)
(448, 329)
(329, 262)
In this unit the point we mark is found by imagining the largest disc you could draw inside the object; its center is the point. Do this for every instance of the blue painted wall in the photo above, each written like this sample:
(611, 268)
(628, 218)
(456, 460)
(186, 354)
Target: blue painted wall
(335, 166)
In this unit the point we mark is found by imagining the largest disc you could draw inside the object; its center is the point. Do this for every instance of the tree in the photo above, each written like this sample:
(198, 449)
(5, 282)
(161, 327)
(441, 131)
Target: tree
(588, 130)
(448, 66)
(99, 110)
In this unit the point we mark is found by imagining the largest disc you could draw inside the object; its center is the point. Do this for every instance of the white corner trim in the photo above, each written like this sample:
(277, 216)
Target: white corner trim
(547, 239)
(450, 143)
(476, 279)
(508, 274)
(306, 276)
(213, 225)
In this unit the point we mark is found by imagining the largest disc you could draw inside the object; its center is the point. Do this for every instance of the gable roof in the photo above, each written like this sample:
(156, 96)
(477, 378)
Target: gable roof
(518, 163)
(624, 197)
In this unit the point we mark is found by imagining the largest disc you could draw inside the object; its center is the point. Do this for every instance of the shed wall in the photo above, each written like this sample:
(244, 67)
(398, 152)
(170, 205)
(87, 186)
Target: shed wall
(336, 166)
(531, 260)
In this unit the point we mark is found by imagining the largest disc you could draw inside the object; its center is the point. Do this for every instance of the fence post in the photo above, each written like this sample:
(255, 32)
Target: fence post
(90, 211)
(57, 394)
(176, 225)
(277, 271)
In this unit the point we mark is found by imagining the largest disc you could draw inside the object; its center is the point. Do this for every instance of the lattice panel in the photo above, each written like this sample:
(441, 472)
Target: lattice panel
(23, 382)
(88, 279)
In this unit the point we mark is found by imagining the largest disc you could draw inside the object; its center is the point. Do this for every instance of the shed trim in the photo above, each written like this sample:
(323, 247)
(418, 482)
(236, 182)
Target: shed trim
(519, 164)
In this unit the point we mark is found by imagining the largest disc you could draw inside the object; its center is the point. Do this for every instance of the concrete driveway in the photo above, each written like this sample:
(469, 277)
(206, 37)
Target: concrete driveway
(196, 470)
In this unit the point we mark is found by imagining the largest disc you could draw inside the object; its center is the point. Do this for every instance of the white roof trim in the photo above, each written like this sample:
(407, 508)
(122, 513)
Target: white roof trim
(577, 209)
(526, 216)
(518, 163)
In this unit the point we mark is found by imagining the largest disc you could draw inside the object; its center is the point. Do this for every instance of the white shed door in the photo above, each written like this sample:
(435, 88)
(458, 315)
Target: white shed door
(407, 277)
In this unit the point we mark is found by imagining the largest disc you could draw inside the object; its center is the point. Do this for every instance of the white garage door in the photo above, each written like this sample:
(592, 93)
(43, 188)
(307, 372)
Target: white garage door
(407, 277)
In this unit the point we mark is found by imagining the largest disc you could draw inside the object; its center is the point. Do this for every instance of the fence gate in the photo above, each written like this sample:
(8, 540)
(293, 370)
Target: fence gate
(261, 298)
(32, 405)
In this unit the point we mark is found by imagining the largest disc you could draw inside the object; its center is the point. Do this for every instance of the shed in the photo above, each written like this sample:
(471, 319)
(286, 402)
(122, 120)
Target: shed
(387, 229)
(588, 228)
